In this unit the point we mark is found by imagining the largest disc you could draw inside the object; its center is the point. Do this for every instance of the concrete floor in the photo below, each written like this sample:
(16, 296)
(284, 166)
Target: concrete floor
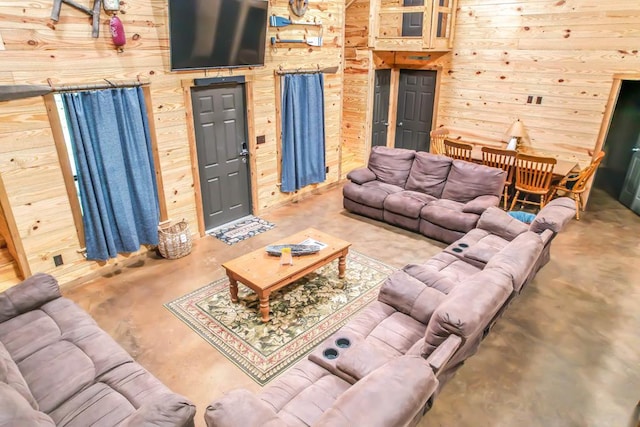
(565, 353)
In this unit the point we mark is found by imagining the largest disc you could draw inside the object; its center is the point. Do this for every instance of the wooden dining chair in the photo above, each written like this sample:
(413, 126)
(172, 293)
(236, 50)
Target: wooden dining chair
(533, 177)
(458, 150)
(574, 184)
(502, 159)
(436, 144)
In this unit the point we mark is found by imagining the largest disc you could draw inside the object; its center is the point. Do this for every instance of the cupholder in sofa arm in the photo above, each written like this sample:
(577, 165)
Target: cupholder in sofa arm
(28, 295)
(392, 395)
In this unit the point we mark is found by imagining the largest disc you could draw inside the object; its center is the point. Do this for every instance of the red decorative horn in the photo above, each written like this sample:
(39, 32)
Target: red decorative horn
(117, 32)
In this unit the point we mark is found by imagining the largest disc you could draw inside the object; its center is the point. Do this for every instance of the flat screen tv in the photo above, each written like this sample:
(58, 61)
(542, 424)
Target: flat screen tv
(217, 33)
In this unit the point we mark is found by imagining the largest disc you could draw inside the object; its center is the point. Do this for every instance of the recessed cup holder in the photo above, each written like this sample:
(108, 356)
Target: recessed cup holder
(463, 245)
(330, 353)
(457, 250)
(343, 342)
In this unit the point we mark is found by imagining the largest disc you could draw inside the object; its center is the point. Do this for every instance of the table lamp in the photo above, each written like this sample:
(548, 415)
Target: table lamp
(515, 133)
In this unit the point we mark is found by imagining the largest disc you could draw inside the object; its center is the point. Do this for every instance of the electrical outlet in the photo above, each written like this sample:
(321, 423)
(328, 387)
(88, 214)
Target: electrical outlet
(529, 99)
(326, 170)
(260, 139)
(539, 100)
(57, 260)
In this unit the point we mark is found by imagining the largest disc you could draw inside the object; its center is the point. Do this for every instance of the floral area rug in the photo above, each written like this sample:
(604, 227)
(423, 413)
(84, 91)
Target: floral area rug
(241, 230)
(301, 315)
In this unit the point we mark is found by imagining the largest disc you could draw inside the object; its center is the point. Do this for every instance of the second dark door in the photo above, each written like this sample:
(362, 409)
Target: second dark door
(416, 95)
(380, 108)
(220, 127)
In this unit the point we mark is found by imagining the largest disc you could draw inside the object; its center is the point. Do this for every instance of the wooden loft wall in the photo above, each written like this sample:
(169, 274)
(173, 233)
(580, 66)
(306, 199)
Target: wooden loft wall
(565, 52)
(357, 86)
(32, 53)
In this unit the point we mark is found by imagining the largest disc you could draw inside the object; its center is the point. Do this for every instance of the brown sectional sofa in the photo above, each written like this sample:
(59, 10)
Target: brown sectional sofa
(428, 319)
(58, 368)
(423, 192)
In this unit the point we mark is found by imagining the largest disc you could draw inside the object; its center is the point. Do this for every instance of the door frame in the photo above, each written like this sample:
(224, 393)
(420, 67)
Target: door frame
(393, 94)
(187, 85)
(612, 101)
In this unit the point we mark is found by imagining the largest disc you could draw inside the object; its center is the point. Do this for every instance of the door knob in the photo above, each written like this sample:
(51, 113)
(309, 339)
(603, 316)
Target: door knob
(635, 149)
(244, 152)
(399, 123)
(385, 123)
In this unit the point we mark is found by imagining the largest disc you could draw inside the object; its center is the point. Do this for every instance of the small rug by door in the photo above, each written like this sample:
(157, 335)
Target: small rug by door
(302, 315)
(241, 230)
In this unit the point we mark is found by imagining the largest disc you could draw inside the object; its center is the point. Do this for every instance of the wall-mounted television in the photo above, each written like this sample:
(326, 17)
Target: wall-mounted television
(217, 33)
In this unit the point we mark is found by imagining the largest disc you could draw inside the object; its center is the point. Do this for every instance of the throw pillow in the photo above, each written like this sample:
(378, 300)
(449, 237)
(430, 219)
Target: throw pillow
(525, 217)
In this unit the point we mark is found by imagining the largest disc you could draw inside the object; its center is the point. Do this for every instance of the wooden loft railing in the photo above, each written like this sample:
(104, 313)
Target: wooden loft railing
(388, 30)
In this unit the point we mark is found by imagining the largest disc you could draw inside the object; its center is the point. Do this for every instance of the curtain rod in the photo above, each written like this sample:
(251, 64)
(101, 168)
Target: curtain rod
(107, 84)
(327, 70)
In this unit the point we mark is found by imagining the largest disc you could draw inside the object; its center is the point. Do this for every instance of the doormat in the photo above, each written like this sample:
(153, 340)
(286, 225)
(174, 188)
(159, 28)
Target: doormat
(241, 230)
(302, 315)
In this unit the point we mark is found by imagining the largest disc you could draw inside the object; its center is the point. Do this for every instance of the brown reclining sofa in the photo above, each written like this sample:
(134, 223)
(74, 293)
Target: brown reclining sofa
(427, 193)
(387, 364)
(58, 368)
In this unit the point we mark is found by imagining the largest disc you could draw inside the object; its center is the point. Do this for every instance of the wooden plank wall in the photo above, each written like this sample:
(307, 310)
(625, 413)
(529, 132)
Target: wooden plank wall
(356, 108)
(564, 51)
(33, 53)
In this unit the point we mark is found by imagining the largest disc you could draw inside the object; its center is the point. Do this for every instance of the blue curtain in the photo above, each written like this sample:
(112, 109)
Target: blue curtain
(303, 145)
(112, 146)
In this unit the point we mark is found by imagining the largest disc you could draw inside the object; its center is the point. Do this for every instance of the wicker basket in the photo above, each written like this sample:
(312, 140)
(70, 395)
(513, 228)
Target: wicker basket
(174, 241)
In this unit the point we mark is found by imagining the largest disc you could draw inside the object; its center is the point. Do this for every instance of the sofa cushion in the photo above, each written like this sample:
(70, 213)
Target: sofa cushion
(10, 374)
(302, 395)
(407, 203)
(429, 173)
(370, 194)
(430, 276)
(450, 266)
(496, 221)
(15, 410)
(467, 180)
(448, 214)
(391, 165)
(554, 216)
(97, 404)
(57, 372)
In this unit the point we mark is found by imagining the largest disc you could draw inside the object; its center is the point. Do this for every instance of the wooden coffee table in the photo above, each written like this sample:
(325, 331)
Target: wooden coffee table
(264, 274)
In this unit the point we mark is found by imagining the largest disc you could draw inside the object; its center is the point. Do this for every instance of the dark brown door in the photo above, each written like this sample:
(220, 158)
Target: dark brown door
(381, 108)
(220, 126)
(416, 95)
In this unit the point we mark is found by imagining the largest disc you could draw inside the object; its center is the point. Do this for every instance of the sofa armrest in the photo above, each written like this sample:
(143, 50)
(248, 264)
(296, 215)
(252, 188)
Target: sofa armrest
(241, 408)
(170, 410)
(28, 295)
(361, 175)
(496, 221)
(410, 296)
(445, 351)
(480, 204)
(554, 216)
(392, 395)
